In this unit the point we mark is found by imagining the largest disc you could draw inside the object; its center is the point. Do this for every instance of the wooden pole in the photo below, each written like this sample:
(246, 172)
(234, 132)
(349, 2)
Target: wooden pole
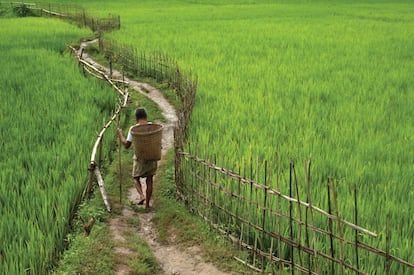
(387, 248)
(119, 161)
(231, 221)
(256, 213)
(271, 221)
(264, 213)
(307, 173)
(356, 223)
(306, 223)
(341, 259)
(110, 67)
(291, 220)
(100, 152)
(249, 207)
(102, 188)
(90, 181)
(279, 226)
(299, 238)
(331, 228)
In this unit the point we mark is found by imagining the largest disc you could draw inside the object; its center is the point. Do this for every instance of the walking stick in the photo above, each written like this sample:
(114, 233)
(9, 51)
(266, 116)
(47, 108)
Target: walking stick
(119, 160)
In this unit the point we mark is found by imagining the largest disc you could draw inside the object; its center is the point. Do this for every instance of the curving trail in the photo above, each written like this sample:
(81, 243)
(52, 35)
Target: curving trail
(173, 259)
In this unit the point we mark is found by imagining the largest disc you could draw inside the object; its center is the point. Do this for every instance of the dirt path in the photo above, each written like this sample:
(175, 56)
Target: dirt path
(173, 259)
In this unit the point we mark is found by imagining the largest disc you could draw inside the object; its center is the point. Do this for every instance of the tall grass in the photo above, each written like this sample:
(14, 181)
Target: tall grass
(49, 117)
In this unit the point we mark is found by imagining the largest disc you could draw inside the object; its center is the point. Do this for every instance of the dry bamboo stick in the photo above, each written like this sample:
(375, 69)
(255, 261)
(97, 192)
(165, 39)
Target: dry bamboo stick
(290, 219)
(307, 173)
(255, 213)
(119, 161)
(300, 216)
(247, 264)
(264, 212)
(341, 260)
(387, 247)
(356, 222)
(102, 188)
(331, 229)
(278, 209)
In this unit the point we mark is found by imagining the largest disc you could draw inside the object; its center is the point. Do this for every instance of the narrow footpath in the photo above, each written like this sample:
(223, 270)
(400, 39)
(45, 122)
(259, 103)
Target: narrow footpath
(173, 259)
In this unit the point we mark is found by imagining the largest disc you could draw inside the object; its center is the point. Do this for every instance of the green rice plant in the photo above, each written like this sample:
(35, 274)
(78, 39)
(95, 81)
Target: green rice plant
(49, 117)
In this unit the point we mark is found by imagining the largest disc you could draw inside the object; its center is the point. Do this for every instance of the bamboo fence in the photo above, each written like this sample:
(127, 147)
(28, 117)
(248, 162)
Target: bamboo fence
(280, 231)
(96, 155)
(70, 12)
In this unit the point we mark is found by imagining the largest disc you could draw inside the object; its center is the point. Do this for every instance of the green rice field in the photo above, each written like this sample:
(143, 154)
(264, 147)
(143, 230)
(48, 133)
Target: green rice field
(329, 81)
(49, 117)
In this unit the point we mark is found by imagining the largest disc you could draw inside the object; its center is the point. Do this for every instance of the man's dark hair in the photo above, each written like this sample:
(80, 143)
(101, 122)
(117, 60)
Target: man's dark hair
(140, 113)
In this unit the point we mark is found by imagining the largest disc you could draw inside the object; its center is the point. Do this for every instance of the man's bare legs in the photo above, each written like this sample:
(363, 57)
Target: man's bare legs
(149, 191)
(137, 183)
(138, 186)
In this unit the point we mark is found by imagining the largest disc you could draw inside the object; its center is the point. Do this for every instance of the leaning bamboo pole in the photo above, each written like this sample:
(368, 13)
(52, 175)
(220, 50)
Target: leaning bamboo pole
(102, 188)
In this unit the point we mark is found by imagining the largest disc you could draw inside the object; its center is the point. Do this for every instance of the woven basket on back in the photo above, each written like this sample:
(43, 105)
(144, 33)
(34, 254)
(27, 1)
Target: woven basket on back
(147, 141)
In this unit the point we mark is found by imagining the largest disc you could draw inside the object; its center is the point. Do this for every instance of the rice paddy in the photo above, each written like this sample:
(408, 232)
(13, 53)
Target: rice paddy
(329, 81)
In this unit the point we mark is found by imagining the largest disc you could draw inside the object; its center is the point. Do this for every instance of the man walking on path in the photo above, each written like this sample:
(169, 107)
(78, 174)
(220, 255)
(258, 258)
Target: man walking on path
(141, 168)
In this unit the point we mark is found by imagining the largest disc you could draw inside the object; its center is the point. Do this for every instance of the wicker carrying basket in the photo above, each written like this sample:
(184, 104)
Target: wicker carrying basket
(147, 141)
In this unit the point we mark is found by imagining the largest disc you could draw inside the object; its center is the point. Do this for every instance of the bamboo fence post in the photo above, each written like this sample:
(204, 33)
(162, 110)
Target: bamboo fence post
(290, 219)
(211, 194)
(331, 228)
(264, 213)
(387, 246)
(100, 151)
(356, 223)
(244, 205)
(271, 220)
(90, 180)
(216, 203)
(239, 199)
(119, 159)
(231, 208)
(191, 200)
(341, 260)
(110, 67)
(308, 188)
(279, 212)
(102, 188)
(249, 206)
(256, 208)
(306, 225)
(300, 218)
